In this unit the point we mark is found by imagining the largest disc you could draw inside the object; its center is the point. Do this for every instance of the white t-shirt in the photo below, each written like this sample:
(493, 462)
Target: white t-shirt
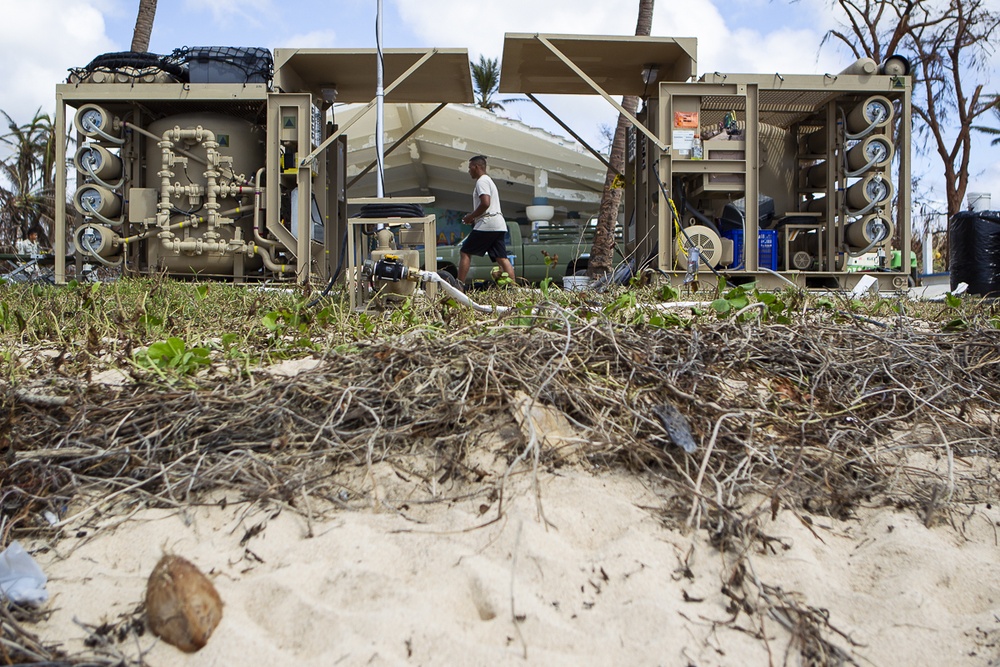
(28, 247)
(492, 220)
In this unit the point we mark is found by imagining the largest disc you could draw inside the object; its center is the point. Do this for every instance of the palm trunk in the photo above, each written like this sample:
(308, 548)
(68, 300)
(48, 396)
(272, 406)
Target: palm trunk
(602, 251)
(143, 25)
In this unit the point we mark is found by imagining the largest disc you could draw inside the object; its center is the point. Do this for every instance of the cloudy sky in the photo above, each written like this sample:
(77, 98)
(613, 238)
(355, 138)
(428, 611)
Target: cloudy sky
(40, 39)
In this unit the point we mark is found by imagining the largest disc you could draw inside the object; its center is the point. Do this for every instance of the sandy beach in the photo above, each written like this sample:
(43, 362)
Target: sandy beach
(579, 568)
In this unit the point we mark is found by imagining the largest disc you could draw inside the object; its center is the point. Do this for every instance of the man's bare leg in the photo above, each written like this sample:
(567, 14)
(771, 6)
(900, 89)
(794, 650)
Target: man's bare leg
(463, 266)
(507, 267)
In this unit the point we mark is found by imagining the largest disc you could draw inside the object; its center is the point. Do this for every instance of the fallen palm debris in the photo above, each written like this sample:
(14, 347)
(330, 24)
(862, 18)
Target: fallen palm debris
(813, 416)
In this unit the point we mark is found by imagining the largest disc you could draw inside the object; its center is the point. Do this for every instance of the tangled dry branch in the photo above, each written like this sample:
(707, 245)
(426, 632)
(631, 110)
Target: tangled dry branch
(809, 416)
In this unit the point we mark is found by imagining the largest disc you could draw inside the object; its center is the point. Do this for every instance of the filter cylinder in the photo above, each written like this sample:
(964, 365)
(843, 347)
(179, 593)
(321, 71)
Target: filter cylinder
(817, 205)
(817, 175)
(871, 229)
(91, 120)
(872, 188)
(861, 67)
(99, 161)
(93, 199)
(96, 239)
(876, 149)
(816, 142)
(875, 111)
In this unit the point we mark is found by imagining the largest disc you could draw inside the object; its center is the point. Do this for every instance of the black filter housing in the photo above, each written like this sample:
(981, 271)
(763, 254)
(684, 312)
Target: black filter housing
(974, 251)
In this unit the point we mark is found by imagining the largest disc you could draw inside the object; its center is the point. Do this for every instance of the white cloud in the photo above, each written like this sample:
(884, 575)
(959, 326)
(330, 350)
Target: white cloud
(39, 41)
(766, 45)
(254, 12)
(481, 26)
(987, 179)
(317, 39)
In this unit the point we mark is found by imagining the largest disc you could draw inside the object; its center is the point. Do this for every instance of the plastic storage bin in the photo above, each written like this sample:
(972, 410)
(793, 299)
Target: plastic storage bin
(767, 248)
(224, 64)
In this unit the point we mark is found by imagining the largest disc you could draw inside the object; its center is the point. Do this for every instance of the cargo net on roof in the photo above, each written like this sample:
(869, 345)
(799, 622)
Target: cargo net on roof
(129, 67)
(254, 64)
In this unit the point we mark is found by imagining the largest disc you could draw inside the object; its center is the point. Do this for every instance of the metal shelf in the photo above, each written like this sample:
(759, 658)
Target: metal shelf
(356, 241)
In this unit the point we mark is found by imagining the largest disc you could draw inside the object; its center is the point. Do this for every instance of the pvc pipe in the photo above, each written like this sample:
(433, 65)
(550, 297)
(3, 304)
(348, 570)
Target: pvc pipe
(928, 253)
(192, 221)
(187, 154)
(163, 206)
(207, 139)
(458, 295)
(196, 246)
(270, 263)
(257, 194)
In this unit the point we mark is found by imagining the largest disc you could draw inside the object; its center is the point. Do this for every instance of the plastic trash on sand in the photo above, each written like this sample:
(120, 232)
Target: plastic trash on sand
(21, 579)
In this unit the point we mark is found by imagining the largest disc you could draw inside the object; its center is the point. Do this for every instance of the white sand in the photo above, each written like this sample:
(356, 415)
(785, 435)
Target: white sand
(598, 581)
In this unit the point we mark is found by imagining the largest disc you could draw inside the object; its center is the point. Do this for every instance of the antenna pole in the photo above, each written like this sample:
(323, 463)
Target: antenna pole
(379, 105)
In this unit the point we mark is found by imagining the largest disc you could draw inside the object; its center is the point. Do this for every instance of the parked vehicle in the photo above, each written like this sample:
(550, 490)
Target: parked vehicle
(568, 244)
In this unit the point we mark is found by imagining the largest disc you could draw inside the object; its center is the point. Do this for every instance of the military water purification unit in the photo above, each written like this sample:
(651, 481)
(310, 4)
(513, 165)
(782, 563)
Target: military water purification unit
(202, 164)
(764, 174)
(227, 163)
(798, 175)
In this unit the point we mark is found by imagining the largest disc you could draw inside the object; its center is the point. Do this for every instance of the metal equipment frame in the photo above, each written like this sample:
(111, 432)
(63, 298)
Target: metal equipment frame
(306, 83)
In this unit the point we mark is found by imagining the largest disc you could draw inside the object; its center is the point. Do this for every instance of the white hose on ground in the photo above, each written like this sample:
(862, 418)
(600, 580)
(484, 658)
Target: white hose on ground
(671, 305)
(458, 295)
(778, 275)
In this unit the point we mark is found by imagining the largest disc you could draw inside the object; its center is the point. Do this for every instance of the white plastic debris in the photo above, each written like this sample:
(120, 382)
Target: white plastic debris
(943, 296)
(864, 286)
(21, 579)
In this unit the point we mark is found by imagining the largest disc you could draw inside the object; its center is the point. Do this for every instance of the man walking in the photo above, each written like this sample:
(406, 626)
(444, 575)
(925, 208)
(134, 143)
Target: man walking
(489, 226)
(30, 251)
(29, 246)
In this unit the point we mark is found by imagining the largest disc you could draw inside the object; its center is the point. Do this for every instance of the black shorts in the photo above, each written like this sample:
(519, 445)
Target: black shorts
(482, 243)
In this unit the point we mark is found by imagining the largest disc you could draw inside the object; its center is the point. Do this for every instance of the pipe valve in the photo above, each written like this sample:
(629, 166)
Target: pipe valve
(389, 268)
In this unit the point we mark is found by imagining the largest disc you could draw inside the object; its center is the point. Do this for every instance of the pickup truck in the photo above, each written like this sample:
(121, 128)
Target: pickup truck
(570, 243)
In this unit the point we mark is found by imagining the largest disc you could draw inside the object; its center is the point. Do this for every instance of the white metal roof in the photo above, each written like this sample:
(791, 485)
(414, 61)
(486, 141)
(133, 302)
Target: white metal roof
(434, 159)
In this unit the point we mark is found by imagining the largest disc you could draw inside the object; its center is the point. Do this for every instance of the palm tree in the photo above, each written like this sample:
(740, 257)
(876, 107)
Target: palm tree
(27, 197)
(602, 251)
(486, 81)
(143, 25)
(994, 102)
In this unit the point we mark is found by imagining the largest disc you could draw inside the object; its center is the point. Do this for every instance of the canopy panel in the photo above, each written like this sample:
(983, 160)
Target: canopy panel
(445, 77)
(615, 63)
